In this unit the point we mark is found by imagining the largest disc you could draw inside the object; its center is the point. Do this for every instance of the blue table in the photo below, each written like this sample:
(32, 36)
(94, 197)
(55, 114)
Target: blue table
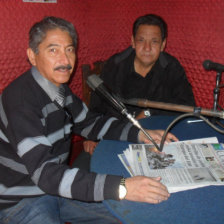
(198, 206)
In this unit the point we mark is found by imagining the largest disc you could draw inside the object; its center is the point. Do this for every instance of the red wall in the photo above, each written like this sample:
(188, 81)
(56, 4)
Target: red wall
(195, 33)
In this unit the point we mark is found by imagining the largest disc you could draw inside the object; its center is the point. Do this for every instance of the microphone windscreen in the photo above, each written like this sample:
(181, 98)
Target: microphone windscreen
(94, 81)
(207, 64)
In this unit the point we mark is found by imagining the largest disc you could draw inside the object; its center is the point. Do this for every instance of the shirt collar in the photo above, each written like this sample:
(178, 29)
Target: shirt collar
(45, 84)
(162, 60)
(132, 57)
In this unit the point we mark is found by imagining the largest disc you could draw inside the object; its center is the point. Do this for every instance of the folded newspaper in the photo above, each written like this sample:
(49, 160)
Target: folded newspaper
(182, 166)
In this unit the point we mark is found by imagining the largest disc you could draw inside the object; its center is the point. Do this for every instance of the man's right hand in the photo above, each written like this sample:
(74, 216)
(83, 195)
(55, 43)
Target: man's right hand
(145, 189)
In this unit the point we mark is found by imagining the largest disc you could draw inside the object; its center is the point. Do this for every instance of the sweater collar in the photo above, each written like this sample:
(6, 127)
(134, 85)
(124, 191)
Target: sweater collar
(50, 89)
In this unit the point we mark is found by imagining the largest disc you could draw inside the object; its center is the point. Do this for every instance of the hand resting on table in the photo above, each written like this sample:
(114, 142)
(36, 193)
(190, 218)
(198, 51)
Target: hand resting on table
(145, 189)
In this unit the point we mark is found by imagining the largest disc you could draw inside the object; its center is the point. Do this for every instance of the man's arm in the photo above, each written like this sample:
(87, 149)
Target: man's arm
(179, 85)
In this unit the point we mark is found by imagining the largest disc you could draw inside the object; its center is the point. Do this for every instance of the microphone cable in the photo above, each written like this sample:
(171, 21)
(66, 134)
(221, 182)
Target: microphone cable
(184, 116)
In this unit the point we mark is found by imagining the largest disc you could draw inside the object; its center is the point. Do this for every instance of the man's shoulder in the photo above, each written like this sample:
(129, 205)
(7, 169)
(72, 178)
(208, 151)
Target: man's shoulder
(167, 60)
(121, 56)
(20, 80)
(117, 66)
(19, 86)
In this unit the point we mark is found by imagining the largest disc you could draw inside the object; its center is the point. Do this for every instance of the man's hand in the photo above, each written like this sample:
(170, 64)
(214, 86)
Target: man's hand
(140, 115)
(145, 189)
(157, 136)
(89, 146)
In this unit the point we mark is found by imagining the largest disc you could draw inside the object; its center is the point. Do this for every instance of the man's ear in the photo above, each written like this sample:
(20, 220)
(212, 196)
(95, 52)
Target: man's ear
(31, 55)
(163, 45)
(132, 42)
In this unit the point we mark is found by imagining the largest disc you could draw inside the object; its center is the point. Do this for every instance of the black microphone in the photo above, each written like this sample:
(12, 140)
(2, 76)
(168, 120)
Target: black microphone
(96, 84)
(209, 65)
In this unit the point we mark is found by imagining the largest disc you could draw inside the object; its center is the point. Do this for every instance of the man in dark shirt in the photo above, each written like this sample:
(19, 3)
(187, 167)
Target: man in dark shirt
(38, 114)
(144, 71)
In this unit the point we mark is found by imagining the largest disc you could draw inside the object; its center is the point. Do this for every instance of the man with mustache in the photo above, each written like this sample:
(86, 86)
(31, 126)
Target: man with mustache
(38, 114)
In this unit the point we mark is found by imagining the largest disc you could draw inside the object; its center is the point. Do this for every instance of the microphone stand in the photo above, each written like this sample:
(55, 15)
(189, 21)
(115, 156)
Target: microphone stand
(137, 124)
(216, 92)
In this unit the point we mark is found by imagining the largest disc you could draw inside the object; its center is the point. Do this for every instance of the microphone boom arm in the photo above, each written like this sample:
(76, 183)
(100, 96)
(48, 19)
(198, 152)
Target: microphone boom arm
(173, 107)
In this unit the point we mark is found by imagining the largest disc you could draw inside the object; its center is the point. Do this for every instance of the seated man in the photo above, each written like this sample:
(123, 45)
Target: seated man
(38, 114)
(144, 71)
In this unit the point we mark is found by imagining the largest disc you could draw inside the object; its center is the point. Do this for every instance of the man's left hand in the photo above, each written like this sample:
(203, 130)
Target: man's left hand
(157, 136)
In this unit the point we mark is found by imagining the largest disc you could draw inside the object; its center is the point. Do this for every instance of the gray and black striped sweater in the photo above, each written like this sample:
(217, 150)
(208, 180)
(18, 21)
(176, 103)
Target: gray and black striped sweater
(35, 137)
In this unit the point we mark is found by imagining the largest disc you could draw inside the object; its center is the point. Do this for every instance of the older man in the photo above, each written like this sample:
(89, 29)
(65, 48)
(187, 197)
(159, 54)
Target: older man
(38, 114)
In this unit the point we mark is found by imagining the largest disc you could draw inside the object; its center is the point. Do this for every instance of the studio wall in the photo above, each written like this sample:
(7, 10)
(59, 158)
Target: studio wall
(195, 33)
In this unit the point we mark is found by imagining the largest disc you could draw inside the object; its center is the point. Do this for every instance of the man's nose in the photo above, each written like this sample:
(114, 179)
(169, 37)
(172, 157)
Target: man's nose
(147, 45)
(64, 58)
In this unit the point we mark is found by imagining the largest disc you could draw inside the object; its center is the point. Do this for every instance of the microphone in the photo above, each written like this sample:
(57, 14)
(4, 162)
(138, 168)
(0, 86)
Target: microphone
(209, 65)
(96, 84)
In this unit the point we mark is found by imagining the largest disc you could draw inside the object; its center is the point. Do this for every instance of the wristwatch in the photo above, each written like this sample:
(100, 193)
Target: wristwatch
(122, 189)
(147, 113)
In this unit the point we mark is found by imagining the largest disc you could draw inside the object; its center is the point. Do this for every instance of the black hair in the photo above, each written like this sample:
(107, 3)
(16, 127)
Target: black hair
(151, 19)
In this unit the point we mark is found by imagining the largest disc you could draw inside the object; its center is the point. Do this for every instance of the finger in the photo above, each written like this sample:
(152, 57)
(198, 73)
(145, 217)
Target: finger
(91, 151)
(157, 195)
(155, 200)
(171, 137)
(156, 178)
(156, 137)
(157, 187)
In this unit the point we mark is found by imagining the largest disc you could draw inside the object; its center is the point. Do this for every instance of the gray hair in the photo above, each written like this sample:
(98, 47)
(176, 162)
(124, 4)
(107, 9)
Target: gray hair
(39, 30)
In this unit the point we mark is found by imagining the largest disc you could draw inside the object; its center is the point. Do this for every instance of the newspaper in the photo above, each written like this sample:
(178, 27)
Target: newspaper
(127, 160)
(182, 165)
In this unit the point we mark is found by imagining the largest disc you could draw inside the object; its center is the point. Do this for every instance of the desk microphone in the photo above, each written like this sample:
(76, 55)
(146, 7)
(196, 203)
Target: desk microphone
(96, 84)
(209, 65)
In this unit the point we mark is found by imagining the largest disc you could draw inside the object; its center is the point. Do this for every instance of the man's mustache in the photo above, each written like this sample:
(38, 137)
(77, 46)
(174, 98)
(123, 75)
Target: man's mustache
(68, 67)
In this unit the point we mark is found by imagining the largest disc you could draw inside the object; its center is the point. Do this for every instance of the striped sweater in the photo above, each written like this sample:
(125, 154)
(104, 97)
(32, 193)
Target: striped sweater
(35, 138)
